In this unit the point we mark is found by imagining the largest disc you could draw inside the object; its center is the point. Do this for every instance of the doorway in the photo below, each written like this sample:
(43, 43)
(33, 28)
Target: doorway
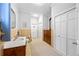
(37, 27)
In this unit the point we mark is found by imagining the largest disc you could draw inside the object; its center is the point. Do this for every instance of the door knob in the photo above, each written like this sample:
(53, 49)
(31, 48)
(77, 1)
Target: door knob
(75, 43)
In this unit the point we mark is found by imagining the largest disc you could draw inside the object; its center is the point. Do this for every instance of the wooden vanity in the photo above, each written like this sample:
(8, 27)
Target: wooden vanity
(15, 48)
(16, 51)
(1, 48)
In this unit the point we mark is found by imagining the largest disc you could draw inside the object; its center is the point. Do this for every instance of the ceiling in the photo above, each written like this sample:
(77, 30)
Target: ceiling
(31, 8)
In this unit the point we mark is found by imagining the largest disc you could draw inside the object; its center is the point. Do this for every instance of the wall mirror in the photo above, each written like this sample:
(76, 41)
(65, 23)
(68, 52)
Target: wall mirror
(13, 19)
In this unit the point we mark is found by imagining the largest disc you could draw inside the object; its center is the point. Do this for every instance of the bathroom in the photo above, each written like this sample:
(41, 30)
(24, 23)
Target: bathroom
(20, 27)
(56, 24)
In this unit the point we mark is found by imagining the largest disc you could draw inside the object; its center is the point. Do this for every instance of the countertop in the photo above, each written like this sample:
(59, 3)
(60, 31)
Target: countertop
(20, 41)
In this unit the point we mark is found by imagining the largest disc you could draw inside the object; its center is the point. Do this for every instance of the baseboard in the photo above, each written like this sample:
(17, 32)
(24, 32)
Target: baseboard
(59, 52)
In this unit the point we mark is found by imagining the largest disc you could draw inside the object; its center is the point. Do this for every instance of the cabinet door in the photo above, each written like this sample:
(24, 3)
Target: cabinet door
(9, 52)
(20, 51)
(5, 20)
(1, 49)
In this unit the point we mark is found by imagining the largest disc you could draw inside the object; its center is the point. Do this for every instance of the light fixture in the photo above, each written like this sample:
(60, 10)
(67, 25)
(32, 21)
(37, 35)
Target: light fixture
(35, 15)
(38, 4)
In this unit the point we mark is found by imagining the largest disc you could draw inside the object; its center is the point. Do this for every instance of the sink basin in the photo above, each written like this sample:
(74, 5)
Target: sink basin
(20, 41)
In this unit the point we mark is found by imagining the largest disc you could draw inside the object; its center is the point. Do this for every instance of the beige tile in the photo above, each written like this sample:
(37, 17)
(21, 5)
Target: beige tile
(40, 48)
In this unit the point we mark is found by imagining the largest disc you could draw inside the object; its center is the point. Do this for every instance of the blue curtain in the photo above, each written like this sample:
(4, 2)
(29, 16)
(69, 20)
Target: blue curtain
(5, 20)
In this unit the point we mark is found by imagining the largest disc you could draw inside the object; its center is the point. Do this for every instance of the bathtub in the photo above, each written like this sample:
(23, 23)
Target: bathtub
(20, 41)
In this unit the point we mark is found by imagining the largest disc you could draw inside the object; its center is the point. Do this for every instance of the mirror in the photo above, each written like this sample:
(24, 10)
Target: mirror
(13, 19)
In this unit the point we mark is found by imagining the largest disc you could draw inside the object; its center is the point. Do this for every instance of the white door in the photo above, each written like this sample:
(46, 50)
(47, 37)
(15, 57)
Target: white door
(72, 33)
(60, 29)
(66, 30)
(34, 28)
(63, 32)
(77, 5)
(57, 32)
(37, 27)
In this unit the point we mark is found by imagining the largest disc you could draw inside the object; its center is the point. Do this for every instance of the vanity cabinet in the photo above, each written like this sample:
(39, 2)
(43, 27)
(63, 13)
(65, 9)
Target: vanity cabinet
(17, 51)
(1, 48)
(20, 51)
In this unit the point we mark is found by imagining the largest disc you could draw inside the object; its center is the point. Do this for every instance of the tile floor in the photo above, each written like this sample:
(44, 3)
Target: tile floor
(41, 48)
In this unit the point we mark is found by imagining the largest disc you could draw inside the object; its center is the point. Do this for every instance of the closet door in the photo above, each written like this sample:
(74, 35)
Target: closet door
(60, 27)
(78, 28)
(63, 32)
(57, 32)
(72, 30)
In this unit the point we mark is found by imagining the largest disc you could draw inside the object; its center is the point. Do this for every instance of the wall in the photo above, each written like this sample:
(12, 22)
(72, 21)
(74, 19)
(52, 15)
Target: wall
(24, 21)
(46, 17)
(25, 32)
(57, 9)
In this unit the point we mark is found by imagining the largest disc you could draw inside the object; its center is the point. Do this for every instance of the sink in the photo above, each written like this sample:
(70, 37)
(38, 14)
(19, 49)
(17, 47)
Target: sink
(20, 41)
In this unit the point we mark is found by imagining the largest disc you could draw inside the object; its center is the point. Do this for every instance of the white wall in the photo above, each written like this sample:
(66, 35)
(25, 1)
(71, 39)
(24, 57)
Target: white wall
(59, 8)
(46, 17)
(24, 21)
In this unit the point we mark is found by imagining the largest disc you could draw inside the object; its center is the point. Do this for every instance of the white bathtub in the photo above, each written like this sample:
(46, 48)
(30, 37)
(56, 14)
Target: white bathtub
(20, 41)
